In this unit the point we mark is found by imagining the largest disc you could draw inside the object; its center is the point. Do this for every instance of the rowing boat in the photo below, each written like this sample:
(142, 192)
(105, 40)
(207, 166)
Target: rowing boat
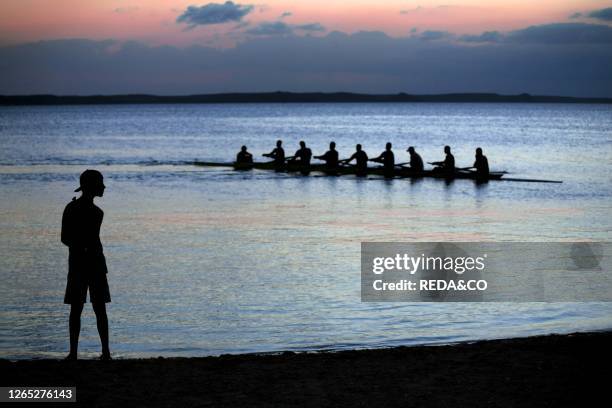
(400, 171)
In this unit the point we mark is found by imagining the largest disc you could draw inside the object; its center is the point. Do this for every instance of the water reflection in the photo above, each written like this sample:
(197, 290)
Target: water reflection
(208, 261)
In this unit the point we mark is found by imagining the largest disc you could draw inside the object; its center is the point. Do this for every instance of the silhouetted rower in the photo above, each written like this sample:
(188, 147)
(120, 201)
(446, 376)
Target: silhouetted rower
(302, 155)
(361, 159)
(481, 164)
(448, 164)
(243, 156)
(278, 154)
(387, 158)
(301, 158)
(416, 163)
(330, 157)
(87, 270)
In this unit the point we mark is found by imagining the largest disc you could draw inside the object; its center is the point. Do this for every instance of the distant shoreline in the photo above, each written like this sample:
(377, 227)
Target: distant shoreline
(553, 370)
(289, 97)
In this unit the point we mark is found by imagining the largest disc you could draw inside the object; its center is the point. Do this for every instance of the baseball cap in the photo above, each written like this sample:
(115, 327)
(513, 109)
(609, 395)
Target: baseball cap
(89, 178)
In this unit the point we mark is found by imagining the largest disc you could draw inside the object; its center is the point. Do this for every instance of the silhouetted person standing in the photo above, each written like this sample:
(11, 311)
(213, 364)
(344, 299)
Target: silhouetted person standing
(278, 154)
(243, 156)
(448, 164)
(481, 164)
(416, 163)
(361, 158)
(387, 158)
(86, 263)
(330, 157)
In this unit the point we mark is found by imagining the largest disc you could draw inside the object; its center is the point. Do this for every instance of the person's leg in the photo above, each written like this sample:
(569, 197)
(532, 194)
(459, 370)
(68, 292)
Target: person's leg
(74, 327)
(102, 323)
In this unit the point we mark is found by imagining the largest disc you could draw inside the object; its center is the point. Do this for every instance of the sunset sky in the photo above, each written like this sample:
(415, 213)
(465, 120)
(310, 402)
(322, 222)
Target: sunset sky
(175, 47)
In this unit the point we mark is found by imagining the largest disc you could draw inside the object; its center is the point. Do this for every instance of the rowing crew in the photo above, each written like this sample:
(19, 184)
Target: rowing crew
(303, 155)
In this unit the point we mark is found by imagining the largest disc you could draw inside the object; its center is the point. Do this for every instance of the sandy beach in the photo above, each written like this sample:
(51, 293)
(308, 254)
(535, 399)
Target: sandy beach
(555, 370)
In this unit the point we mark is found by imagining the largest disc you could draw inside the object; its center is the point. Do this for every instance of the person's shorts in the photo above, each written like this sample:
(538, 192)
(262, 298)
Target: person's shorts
(86, 272)
(78, 284)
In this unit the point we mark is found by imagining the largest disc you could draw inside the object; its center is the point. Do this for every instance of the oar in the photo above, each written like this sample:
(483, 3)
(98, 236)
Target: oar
(516, 179)
(345, 162)
(530, 180)
(474, 171)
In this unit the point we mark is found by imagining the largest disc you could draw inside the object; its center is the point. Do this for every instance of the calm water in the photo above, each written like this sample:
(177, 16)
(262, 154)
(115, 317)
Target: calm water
(210, 261)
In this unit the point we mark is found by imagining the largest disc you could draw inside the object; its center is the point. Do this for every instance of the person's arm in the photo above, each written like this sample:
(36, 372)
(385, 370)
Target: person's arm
(481, 165)
(448, 162)
(295, 156)
(68, 229)
(418, 163)
(379, 158)
(66, 235)
(350, 159)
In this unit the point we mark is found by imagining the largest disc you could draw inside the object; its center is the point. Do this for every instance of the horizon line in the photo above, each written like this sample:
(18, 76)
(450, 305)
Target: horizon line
(291, 97)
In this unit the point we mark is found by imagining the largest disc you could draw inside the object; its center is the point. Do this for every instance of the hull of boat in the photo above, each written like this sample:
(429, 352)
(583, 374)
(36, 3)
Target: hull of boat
(351, 170)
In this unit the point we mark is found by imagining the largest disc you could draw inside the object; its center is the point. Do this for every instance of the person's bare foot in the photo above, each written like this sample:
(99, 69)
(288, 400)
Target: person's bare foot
(105, 357)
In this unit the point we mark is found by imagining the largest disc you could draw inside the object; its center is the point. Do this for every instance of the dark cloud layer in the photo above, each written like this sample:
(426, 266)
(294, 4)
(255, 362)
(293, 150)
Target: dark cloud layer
(603, 14)
(486, 37)
(271, 28)
(311, 27)
(435, 35)
(214, 13)
(563, 33)
(282, 28)
(556, 59)
(560, 33)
